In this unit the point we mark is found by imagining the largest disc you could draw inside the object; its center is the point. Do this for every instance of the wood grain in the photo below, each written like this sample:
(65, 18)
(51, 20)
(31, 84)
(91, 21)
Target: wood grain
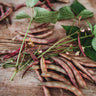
(29, 85)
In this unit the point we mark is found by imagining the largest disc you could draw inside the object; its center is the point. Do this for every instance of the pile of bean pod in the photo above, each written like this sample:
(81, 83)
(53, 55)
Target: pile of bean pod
(65, 71)
(37, 35)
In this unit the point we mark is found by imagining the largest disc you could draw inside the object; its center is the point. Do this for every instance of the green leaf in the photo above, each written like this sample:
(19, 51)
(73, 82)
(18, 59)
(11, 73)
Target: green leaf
(86, 41)
(65, 13)
(31, 3)
(94, 31)
(77, 7)
(85, 14)
(90, 25)
(91, 53)
(70, 30)
(94, 43)
(22, 15)
(44, 16)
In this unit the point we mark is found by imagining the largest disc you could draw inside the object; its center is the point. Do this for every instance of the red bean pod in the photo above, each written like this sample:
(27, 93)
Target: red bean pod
(19, 6)
(55, 76)
(38, 74)
(64, 1)
(91, 71)
(57, 84)
(34, 63)
(43, 41)
(48, 4)
(35, 67)
(40, 26)
(37, 36)
(6, 52)
(38, 30)
(65, 56)
(46, 90)
(13, 53)
(48, 62)
(23, 34)
(8, 12)
(56, 68)
(24, 5)
(91, 65)
(79, 44)
(33, 56)
(43, 65)
(85, 76)
(44, 34)
(2, 11)
(66, 68)
(38, 41)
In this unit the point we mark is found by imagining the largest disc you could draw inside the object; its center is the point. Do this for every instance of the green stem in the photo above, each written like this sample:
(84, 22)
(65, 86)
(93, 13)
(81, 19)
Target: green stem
(17, 63)
(56, 44)
(23, 42)
(13, 75)
(26, 64)
(73, 40)
(57, 49)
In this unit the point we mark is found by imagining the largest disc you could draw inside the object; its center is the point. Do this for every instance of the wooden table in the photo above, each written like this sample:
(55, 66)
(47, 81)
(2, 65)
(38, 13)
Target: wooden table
(29, 85)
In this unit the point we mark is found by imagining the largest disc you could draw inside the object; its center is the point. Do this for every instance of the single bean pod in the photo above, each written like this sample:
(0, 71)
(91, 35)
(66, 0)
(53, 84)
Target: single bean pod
(57, 84)
(55, 76)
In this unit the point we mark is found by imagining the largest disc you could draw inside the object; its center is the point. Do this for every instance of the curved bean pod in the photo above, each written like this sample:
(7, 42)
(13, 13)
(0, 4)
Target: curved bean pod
(34, 63)
(56, 84)
(43, 65)
(46, 90)
(55, 76)
(35, 40)
(44, 34)
(85, 76)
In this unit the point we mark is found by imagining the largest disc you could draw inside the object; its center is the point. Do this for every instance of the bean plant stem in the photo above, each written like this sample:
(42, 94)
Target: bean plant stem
(17, 63)
(56, 44)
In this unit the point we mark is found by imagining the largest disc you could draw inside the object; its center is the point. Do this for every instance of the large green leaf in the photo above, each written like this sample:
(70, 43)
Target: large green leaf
(31, 3)
(77, 7)
(44, 16)
(65, 13)
(94, 43)
(91, 53)
(85, 14)
(22, 15)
